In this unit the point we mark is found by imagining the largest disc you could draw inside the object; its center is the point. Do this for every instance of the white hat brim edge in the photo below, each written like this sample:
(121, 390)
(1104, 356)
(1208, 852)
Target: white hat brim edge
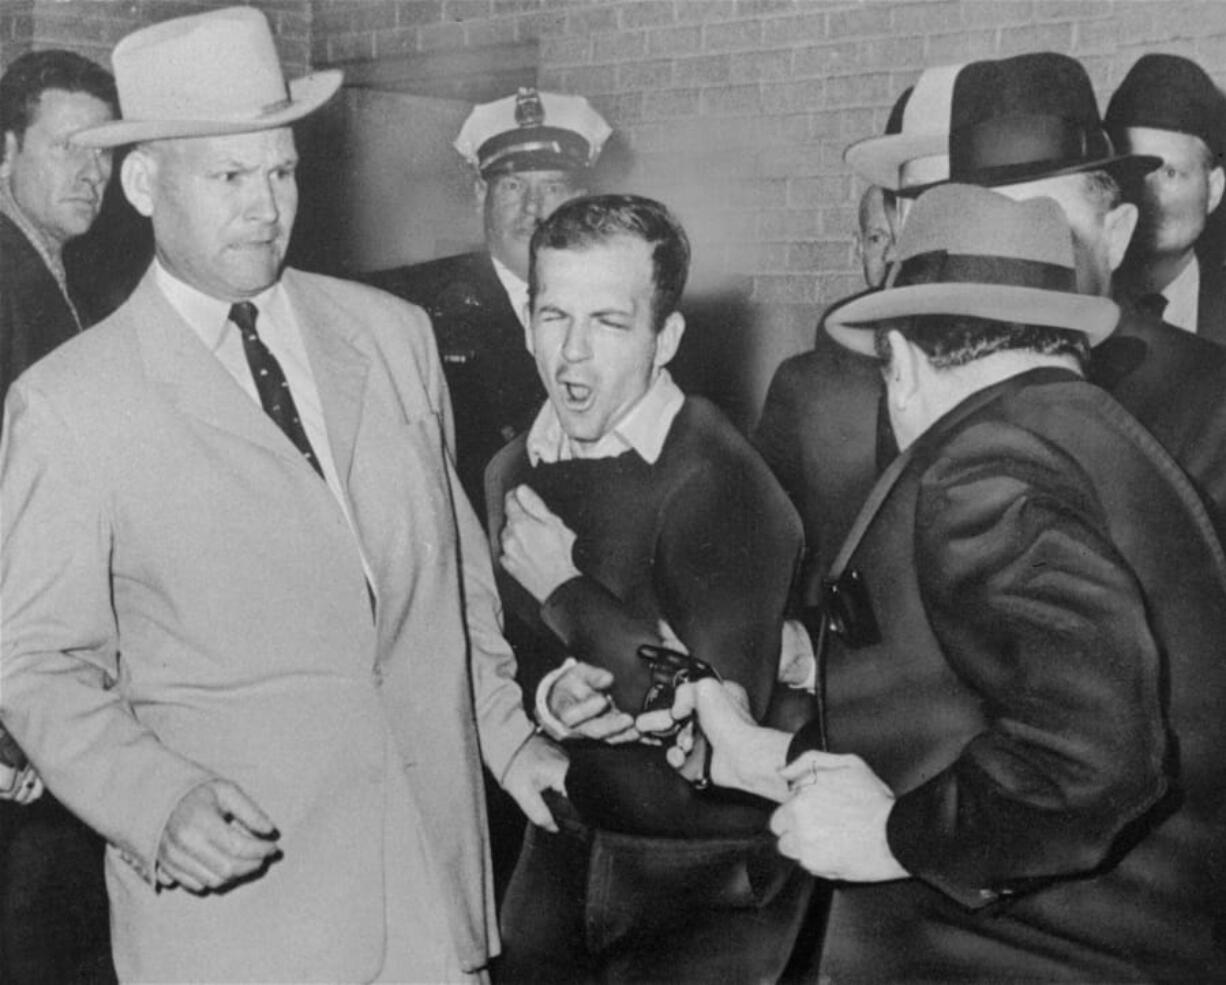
(879, 159)
(306, 94)
(851, 324)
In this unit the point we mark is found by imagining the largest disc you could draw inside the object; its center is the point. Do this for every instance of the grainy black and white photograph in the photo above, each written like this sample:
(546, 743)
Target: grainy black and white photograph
(612, 492)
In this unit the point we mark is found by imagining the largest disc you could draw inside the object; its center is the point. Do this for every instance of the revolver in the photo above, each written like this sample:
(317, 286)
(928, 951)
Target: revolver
(669, 670)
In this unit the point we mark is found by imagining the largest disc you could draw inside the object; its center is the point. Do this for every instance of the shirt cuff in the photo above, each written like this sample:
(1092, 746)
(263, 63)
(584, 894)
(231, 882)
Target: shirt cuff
(546, 720)
(797, 661)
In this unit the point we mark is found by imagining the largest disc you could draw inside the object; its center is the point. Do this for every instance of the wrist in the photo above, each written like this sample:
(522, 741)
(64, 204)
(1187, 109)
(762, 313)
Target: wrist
(755, 762)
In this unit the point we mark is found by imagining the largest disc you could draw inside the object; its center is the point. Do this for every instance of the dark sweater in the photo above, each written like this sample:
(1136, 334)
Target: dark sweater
(704, 539)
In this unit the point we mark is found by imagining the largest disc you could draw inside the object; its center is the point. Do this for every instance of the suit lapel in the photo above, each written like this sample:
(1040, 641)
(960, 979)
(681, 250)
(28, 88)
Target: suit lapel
(339, 367)
(192, 377)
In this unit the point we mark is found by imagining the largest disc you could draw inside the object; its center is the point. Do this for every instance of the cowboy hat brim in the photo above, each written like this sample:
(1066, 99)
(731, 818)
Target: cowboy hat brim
(879, 160)
(306, 95)
(851, 323)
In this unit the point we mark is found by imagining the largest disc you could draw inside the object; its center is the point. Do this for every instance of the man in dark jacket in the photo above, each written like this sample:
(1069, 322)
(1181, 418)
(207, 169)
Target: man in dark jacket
(1168, 107)
(53, 914)
(530, 153)
(1023, 683)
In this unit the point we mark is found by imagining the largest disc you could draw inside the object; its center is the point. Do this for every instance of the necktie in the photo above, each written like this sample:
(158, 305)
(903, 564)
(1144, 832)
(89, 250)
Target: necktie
(270, 382)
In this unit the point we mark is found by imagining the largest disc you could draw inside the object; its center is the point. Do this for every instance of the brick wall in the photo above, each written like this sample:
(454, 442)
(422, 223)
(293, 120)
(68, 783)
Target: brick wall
(736, 112)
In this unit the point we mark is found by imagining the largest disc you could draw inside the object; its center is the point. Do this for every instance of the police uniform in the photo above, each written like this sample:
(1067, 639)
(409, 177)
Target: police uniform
(495, 389)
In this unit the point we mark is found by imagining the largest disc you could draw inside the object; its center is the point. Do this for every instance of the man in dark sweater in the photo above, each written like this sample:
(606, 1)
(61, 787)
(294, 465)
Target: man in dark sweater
(53, 913)
(630, 514)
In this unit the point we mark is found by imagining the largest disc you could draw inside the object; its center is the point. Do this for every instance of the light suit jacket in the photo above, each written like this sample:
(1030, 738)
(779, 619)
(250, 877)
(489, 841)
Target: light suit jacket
(183, 598)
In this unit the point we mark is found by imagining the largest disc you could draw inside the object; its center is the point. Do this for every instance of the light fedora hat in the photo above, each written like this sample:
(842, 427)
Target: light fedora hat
(914, 150)
(970, 251)
(205, 75)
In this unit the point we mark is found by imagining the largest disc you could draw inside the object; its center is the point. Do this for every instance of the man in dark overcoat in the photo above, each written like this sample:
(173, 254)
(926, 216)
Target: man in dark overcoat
(1023, 682)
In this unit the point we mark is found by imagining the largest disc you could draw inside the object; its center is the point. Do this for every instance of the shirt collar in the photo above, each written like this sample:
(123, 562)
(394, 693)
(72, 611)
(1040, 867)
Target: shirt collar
(642, 429)
(1182, 297)
(208, 316)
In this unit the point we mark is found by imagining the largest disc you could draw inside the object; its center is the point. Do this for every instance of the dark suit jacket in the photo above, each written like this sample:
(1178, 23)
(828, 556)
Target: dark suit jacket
(826, 437)
(495, 389)
(1045, 700)
(34, 318)
(1211, 303)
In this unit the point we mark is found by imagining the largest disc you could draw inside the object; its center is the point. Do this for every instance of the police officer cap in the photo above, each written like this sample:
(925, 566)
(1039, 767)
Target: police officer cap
(532, 131)
(1167, 92)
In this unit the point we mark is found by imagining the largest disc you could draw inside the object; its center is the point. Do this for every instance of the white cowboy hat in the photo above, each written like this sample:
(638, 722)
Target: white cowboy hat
(205, 75)
(914, 150)
(970, 251)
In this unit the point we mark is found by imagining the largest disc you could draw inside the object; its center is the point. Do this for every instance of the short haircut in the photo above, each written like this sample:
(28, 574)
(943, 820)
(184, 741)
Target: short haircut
(595, 219)
(955, 340)
(23, 85)
(1103, 190)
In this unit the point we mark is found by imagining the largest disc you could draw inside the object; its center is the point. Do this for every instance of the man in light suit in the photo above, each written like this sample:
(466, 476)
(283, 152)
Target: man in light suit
(249, 630)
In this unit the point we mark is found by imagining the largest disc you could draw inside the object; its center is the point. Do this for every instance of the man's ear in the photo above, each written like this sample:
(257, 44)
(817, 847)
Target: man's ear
(668, 339)
(903, 373)
(1217, 183)
(1118, 227)
(480, 190)
(137, 175)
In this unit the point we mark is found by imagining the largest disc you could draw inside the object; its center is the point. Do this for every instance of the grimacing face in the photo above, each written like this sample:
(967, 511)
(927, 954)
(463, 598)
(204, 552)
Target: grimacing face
(1177, 197)
(513, 205)
(58, 184)
(222, 207)
(593, 333)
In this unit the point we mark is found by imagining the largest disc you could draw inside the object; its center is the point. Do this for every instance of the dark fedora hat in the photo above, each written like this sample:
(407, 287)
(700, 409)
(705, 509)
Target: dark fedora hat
(1029, 117)
(1167, 92)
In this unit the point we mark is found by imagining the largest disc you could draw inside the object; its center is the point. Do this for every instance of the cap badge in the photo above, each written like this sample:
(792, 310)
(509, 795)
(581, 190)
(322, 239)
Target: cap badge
(528, 109)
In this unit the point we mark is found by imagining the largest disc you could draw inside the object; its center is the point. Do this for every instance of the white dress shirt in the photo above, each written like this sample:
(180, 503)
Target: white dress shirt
(1183, 298)
(277, 325)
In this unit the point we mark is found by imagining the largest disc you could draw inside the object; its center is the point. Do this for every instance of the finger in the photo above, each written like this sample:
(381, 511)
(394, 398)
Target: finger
(596, 706)
(535, 809)
(593, 677)
(602, 727)
(532, 504)
(686, 738)
(184, 870)
(237, 805)
(631, 734)
(650, 722)
(675, 757)
(511, 505)
(685, 701)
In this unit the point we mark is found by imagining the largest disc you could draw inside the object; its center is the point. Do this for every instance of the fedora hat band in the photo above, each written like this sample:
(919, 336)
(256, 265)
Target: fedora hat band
(943, 267)
(1015, 144)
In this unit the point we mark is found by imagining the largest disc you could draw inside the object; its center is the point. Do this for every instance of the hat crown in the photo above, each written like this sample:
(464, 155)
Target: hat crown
(1169, 92)
(967, 220)
(234, 68)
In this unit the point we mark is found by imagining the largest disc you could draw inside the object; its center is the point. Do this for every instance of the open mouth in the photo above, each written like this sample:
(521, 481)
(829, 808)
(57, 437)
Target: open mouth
(576, 395)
